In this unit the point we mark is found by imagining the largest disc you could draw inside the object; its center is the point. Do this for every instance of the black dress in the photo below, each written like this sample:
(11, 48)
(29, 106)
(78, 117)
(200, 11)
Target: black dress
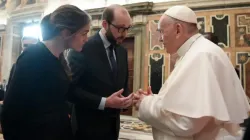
(35, 107)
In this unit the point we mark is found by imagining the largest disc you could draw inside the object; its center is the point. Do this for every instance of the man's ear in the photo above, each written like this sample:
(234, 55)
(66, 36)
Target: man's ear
(105, 24)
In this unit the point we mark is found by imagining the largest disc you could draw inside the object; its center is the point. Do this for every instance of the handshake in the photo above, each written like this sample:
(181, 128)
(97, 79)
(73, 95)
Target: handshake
(118, 101)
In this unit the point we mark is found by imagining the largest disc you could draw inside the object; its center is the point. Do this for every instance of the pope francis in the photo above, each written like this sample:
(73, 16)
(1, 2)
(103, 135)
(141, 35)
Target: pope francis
(203, 95)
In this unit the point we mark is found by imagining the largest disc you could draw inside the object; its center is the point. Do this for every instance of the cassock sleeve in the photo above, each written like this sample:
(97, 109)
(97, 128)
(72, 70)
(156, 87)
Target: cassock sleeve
(151, 112)
(76, 94)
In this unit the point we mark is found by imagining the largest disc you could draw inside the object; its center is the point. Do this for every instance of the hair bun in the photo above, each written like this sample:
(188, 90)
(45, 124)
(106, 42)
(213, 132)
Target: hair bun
(48, 28)
(67, 17)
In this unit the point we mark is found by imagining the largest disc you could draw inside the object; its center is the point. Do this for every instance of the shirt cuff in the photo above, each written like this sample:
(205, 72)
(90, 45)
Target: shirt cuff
(102, 104)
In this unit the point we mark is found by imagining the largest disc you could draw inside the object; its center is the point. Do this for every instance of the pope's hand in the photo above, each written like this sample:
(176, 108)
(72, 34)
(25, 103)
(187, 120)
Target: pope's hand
(116, 100)
(138, 97)
(149, 91)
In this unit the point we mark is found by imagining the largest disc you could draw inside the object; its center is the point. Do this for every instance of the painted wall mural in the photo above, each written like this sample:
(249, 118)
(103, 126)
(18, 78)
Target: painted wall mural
(154, 36)
(242, 32)
(243, 61)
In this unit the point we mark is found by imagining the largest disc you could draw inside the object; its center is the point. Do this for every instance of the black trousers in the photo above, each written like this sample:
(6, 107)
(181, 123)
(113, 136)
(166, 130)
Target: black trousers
(247, 132)
(100, 129)
(54, 128)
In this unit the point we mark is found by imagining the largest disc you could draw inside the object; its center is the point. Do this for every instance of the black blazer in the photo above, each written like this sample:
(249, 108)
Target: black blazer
(35, 105)
(92, 74)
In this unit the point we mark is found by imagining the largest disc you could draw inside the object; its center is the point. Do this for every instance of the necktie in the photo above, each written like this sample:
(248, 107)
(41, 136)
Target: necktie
(112, 60)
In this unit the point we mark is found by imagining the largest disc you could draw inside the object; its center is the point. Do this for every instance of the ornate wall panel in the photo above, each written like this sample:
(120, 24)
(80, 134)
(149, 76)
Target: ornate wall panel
(242, 32)
(243, 61)
(156, 60)
(220, 27)
(201, 24)
(154, 36)
(156, 71)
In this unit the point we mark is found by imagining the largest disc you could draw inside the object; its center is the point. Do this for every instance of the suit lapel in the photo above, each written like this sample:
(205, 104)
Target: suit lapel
(102, 54)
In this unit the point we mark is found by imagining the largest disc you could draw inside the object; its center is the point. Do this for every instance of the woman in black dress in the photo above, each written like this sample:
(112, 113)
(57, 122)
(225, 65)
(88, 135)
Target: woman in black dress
(35, 107)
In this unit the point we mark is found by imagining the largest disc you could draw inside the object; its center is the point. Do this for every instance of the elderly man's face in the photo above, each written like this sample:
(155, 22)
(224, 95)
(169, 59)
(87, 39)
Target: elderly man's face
(167, 34)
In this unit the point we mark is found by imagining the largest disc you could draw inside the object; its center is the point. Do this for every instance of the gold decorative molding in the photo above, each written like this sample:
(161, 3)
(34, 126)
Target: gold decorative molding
(201, 4)
(134, 9)
(138, 12)
(136, 20)
(139, 19)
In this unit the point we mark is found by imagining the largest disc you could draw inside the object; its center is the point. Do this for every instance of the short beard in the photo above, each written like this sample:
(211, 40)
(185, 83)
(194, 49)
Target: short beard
(110, 37)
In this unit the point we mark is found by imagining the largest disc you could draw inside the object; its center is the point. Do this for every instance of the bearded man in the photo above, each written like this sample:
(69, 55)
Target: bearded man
(101, 72)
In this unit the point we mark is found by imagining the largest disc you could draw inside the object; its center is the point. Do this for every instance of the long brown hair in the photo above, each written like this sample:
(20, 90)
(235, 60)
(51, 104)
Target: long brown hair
(67, 17)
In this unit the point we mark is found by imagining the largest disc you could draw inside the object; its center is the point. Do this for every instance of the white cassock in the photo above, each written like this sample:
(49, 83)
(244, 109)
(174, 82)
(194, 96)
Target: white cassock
(202, 96)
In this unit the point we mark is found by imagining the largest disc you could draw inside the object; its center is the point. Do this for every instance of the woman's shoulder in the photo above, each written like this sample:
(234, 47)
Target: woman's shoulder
(33, 51)
(31, 54)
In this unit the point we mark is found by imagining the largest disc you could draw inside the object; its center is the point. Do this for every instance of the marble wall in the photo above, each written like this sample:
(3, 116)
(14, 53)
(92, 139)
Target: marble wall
(242, 41)
(232, 26)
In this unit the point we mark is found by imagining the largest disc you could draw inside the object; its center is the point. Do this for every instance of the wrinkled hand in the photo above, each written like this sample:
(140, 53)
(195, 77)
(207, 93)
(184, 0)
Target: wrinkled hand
(116, 100)
(128, 102)
(137, 99)
(139, 95)
(149, 91)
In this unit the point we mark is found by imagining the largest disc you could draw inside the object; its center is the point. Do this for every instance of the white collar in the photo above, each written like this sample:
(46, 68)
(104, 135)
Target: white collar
(105, 41)
(186, 46)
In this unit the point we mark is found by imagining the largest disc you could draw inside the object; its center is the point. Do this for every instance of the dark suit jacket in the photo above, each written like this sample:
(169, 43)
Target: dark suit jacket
(92, 74)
